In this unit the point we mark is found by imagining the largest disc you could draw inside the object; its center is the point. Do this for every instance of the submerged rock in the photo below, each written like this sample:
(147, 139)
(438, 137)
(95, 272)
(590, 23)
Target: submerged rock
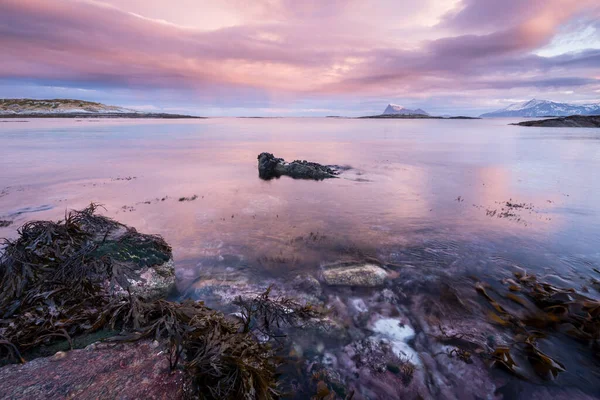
(397, 335)
(271, 167)
(307, 284)
(367, 275)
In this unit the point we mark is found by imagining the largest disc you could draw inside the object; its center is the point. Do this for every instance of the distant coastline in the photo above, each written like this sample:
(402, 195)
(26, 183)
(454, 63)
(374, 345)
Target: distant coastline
(100, 115)
(72, 108)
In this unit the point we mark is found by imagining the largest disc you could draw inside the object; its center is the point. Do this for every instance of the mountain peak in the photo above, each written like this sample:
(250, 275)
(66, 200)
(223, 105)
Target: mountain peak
(395, 109)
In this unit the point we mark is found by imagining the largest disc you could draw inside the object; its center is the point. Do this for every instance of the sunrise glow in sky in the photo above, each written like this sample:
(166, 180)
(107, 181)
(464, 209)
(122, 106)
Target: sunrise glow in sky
(301, 57)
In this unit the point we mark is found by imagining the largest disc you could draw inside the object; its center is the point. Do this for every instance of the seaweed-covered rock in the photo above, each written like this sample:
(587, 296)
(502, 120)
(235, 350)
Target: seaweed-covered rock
(367, 275)
(58, 280)
(271, 167)
(142, 264)
(84, 247)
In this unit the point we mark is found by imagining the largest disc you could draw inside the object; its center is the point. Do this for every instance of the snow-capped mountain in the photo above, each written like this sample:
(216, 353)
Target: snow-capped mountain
(394, 109)
(545, 108)
(58, 106)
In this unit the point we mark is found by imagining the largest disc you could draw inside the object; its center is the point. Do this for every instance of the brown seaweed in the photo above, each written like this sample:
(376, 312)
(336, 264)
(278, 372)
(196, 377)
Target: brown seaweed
(547, 308)
(53, 288)
(268, 316)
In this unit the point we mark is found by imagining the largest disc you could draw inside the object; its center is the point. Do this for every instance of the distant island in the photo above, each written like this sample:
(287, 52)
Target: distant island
(400, 116)
(69, 108)
(413, 116)
(573, 121)
(394, 111)
(544, 108)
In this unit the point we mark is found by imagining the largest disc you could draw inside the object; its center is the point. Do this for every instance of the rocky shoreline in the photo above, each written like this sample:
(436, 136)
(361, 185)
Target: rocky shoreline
(359, 329)
(64, 283)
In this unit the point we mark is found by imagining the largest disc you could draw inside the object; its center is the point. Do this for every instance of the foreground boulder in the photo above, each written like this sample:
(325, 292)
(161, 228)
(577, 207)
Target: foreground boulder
(366, 275)
(271, 167)
(104, 371)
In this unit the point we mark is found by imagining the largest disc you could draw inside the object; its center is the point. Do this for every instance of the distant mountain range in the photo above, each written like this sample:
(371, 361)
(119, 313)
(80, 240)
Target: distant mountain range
(544, 108)
(394, 109)
(68, 108)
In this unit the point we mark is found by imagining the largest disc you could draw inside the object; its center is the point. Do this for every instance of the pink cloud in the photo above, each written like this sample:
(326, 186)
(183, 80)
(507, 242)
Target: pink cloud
(285, 47)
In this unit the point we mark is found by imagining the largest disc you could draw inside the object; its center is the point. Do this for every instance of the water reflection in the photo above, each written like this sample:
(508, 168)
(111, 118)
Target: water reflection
(412, 173)
(421, 196)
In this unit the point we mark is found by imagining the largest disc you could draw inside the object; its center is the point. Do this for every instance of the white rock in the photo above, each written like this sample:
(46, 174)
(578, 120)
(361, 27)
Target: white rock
(397, 335)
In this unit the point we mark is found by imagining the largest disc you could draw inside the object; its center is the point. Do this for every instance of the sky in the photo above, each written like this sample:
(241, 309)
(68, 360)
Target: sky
(301, 57)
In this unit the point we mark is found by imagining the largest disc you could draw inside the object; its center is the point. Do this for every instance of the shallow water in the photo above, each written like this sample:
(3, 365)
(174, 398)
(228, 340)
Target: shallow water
(424, 194)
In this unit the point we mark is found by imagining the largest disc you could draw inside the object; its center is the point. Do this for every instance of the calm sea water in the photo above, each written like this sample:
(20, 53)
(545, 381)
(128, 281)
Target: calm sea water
(426, 195)
(414, 183)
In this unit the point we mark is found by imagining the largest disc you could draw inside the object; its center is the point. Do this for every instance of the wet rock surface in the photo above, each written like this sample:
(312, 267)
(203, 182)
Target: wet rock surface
(102, 371)
(366, 275)
(270, 167)
(148, 266)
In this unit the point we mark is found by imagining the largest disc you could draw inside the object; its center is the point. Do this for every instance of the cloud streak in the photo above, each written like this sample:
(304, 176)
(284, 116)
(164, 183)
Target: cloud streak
(297, 50)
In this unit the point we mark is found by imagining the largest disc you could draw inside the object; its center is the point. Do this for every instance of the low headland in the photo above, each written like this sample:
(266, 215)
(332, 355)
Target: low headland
(69, 108)
(573, 121)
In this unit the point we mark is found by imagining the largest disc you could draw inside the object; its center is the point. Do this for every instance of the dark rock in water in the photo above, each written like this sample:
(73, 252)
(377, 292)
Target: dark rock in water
(108, 371)
(271, 167)
(4, 224)
(574, 121)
